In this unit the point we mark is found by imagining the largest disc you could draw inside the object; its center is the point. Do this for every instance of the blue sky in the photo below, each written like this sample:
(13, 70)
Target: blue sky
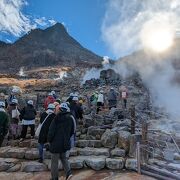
(107, 27)
(82, 18)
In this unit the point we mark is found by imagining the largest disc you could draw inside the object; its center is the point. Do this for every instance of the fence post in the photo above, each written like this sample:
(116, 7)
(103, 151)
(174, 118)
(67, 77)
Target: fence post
(138, 158)
(133, 124)
(144, 150)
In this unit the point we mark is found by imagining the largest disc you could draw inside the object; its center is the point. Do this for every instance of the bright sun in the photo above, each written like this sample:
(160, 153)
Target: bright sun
(157, 37)
(159, 40)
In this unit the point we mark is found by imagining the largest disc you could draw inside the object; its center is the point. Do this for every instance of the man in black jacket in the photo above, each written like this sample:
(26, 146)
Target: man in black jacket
(4, 122)
(28, 115)
(60, 132)
(76, 109)
(45, 119)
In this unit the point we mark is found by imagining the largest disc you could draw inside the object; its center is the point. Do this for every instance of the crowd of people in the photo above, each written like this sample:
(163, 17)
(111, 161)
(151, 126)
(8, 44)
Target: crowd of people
(98, 99)
(57, 126)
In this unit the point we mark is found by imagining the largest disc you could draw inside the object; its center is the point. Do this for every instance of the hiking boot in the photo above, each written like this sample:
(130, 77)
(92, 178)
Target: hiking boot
(69, 177)
(40, 160)
(22, 139)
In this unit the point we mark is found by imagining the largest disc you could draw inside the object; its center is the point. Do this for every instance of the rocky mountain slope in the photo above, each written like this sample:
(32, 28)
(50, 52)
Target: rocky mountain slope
(50, 47)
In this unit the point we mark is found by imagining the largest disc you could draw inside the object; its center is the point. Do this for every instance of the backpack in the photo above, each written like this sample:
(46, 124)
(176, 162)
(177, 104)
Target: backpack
(124, 94)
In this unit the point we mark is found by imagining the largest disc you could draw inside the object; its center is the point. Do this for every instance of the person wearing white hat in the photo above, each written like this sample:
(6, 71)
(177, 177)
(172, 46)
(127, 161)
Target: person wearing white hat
(76, 109)
(54, 94)
(112, 98)
(4, 122)
(13, 111)
(100, 101)
(28, 115)
(60, 132)
(45, 119)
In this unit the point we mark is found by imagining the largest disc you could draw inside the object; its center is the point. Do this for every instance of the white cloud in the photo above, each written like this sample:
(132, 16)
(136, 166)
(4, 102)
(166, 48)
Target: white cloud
(41, 21)
(12, 20)
(52, 21)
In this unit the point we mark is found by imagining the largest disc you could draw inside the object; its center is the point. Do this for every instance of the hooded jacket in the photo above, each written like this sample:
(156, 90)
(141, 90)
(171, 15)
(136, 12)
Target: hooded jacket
(60, 132)
(45, 127)
(112, 95)
(4, 122)
(48, 100)
(28, 113)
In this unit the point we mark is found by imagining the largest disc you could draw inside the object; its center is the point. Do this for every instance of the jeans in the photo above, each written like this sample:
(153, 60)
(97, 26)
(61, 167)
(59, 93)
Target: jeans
(54, 165)
(41, 152)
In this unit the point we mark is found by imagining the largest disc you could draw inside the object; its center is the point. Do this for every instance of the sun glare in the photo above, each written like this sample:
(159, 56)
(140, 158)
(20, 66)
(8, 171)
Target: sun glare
(159, 40)
(157, 37)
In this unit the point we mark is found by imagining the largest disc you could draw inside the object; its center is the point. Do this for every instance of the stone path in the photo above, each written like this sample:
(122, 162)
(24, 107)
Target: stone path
(78, 175)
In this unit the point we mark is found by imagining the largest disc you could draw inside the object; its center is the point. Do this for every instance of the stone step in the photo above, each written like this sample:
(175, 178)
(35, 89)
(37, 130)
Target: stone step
(33, 154)
(78, 162)
(88, 143)
(27, 153)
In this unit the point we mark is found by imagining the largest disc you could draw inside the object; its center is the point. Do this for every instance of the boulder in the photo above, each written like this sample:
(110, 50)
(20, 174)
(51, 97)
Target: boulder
(88, 121)
(14, 168)
(76, 163)
(108, 120)
(94, 131)
(25, 143)
(96, 163)
(32, 154)
(177, 156)
(124, 140)
(18, 153)
(115, 163)
(6, 164)
(83, 136)
(95, 143)
(117, 152)
(109, 139)
(94, 151)
(82, 143)
(73, 152)
(33, 166)
(131, 164)
(4, 150)
(99, 120)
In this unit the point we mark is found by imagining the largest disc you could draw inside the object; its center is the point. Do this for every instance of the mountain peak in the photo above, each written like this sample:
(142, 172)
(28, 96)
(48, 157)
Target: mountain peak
(58, 27)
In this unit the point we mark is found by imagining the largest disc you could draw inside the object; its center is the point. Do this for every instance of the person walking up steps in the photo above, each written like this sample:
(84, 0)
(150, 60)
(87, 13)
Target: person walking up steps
(4, 122)
(100, 101)
(60, 132)
(28, 115)
(45, 119)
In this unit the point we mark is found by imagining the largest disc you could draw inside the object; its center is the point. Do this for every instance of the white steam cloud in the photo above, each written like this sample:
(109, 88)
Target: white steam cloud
(94, 73)
(124, 21)
(13, 21)
(124, 29)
